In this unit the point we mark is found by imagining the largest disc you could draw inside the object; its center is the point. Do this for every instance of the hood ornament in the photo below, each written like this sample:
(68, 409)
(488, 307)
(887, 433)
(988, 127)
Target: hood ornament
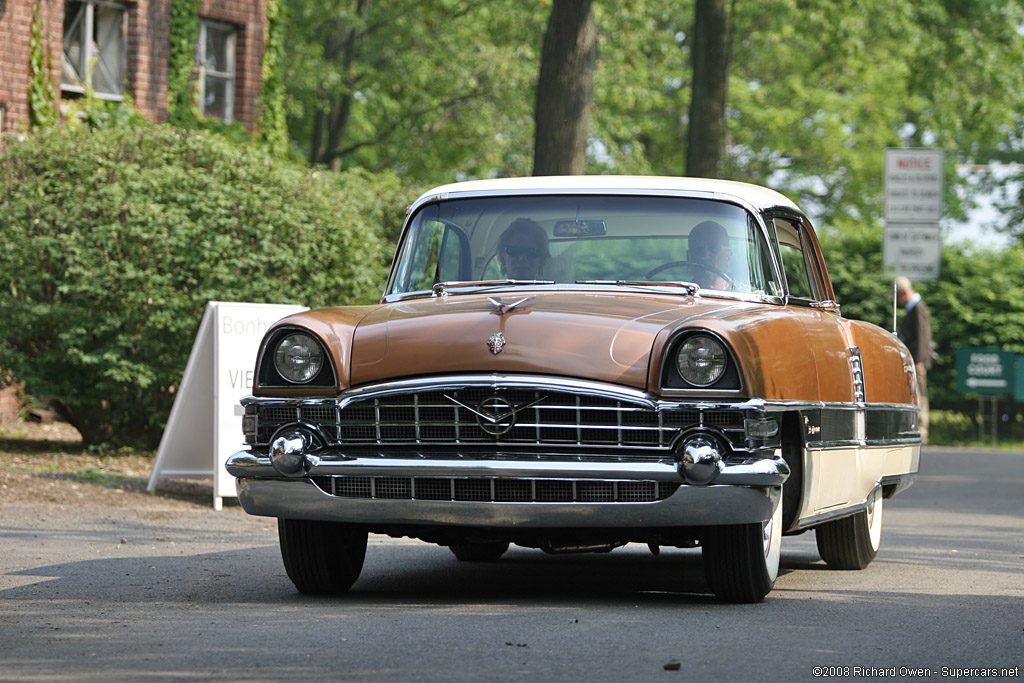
(504, 308)
(496, 342)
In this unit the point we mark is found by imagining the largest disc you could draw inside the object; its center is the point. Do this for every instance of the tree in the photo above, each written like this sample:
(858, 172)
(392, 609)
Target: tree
(816, 92)
(710, 58)
(432, 89)
(565, 89)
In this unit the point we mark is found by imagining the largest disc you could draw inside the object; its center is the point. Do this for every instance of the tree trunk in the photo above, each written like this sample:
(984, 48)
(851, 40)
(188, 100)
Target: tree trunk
(704, 138)
(331, 124)
(565, 89)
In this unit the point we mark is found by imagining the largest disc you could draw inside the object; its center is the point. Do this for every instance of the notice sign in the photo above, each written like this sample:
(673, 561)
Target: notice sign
(205, 424)
(913, 250)
(913, 185)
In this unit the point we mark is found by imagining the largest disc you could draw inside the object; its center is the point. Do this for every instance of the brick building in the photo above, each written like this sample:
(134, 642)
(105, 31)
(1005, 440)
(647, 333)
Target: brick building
(122, 47)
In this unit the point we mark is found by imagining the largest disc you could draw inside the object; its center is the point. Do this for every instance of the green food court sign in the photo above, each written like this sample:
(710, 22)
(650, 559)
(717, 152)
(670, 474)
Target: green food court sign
(991, 372)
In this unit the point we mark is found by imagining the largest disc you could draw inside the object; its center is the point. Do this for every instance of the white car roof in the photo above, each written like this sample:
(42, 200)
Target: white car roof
(755, 195)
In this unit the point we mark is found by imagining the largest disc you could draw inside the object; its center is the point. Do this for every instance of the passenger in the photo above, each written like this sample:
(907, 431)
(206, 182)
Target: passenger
(708, 250)
(523, 250)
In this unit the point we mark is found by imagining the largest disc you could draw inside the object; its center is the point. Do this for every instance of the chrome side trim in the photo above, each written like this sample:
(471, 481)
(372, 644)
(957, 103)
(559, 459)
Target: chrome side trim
(901, 482)
(688, 506)
(831, 515)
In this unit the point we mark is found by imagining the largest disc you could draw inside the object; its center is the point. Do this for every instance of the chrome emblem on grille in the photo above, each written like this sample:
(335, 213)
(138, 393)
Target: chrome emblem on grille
(495, 415)
(496, 342)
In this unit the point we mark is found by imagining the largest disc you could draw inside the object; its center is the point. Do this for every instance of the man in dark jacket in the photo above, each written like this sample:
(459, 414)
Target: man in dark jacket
(916, 333)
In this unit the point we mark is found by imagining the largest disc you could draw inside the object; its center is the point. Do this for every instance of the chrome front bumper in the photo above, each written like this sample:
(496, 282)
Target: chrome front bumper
(742, 493)
(688, 506)
(764, 472)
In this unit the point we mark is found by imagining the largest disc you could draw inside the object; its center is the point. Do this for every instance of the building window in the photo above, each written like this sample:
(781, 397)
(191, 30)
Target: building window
(216, 57)
(94, 48)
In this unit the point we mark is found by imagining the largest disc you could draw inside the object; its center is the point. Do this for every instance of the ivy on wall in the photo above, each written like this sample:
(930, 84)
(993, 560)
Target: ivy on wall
(181, 62)
(42, 95)
(273, 125)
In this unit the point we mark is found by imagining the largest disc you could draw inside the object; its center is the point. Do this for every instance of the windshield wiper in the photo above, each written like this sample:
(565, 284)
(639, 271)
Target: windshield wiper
(690, 287)
(442, 288)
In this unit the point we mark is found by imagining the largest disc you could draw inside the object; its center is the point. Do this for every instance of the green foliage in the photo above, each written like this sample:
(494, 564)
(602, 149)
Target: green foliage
(432, 89)
(977, 301)
(42, 95)
(116, 239)
(184, 31)
(94, 113)
(965, 428)
(445, 89)
(273, 124)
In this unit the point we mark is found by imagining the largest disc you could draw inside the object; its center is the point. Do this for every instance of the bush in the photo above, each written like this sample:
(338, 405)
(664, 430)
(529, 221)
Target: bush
(115, 240)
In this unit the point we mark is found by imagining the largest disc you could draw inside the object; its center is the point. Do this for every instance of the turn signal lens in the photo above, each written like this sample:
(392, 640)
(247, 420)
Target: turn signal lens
(701, 360)
(298, 358)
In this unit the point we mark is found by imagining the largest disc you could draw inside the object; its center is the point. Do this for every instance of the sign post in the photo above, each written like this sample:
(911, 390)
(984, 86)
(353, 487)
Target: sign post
(912, 243)
(205, 424)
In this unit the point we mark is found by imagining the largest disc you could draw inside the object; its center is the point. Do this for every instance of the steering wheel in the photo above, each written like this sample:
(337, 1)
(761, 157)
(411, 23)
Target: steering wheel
(696, 264)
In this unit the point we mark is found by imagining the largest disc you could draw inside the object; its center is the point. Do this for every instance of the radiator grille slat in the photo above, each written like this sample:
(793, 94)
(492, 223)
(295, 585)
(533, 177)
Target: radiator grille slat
(490, 490)
(532, 417)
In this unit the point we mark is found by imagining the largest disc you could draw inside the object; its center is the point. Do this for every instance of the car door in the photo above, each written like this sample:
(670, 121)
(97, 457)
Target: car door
(834, 430)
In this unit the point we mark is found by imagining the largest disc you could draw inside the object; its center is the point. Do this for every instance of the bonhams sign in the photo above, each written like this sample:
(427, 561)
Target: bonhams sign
(205, 424)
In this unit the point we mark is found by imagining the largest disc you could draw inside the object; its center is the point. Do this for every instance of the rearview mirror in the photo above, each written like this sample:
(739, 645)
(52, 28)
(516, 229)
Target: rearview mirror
(580, 228)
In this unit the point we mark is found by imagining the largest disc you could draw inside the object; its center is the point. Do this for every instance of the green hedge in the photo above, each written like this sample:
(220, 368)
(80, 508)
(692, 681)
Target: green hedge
(978, 300)
(115, 240)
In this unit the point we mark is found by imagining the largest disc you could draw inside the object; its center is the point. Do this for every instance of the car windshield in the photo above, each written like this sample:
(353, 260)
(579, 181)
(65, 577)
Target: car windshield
(587, 239)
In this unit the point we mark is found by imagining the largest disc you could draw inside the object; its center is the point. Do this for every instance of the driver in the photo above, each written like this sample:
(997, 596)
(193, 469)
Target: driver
(523, 250)
(708, 248)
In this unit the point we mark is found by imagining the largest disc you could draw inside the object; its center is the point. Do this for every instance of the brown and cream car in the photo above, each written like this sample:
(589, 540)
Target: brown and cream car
(577, 363)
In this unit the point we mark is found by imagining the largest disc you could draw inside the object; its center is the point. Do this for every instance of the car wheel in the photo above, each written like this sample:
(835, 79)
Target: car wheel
(741, 561)
(852, 542)
(321, 557)
(477, 551)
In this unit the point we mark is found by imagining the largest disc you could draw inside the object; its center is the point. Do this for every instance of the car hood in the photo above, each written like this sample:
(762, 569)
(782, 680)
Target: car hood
(604, 336)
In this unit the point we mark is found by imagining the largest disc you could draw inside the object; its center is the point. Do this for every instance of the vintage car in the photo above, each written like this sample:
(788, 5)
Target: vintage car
(577, 363)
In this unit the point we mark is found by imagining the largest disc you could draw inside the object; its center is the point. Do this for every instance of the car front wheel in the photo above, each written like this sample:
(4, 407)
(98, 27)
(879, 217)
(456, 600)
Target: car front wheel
(321, 557)
(741, 561)
(852, 542)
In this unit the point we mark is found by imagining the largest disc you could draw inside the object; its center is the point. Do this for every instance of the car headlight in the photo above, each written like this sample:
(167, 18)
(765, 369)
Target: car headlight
(702, 360)
(298, 357)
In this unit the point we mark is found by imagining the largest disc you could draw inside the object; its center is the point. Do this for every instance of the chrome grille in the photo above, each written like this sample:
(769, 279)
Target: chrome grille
(491, 490)
(444, 417)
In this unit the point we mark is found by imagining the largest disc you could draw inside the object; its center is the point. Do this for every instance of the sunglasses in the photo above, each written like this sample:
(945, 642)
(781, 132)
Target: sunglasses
(518, 252)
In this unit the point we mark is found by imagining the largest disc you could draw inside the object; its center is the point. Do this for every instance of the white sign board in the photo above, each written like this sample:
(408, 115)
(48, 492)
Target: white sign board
(205, 424)
(913, 250)
(913, 185)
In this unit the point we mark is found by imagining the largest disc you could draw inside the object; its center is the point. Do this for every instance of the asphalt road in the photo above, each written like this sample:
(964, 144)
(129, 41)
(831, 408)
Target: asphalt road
(202, 595)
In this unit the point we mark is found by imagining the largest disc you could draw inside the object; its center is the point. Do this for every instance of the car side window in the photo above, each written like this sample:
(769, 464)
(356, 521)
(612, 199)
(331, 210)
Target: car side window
(796, 260)
(439, 254)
